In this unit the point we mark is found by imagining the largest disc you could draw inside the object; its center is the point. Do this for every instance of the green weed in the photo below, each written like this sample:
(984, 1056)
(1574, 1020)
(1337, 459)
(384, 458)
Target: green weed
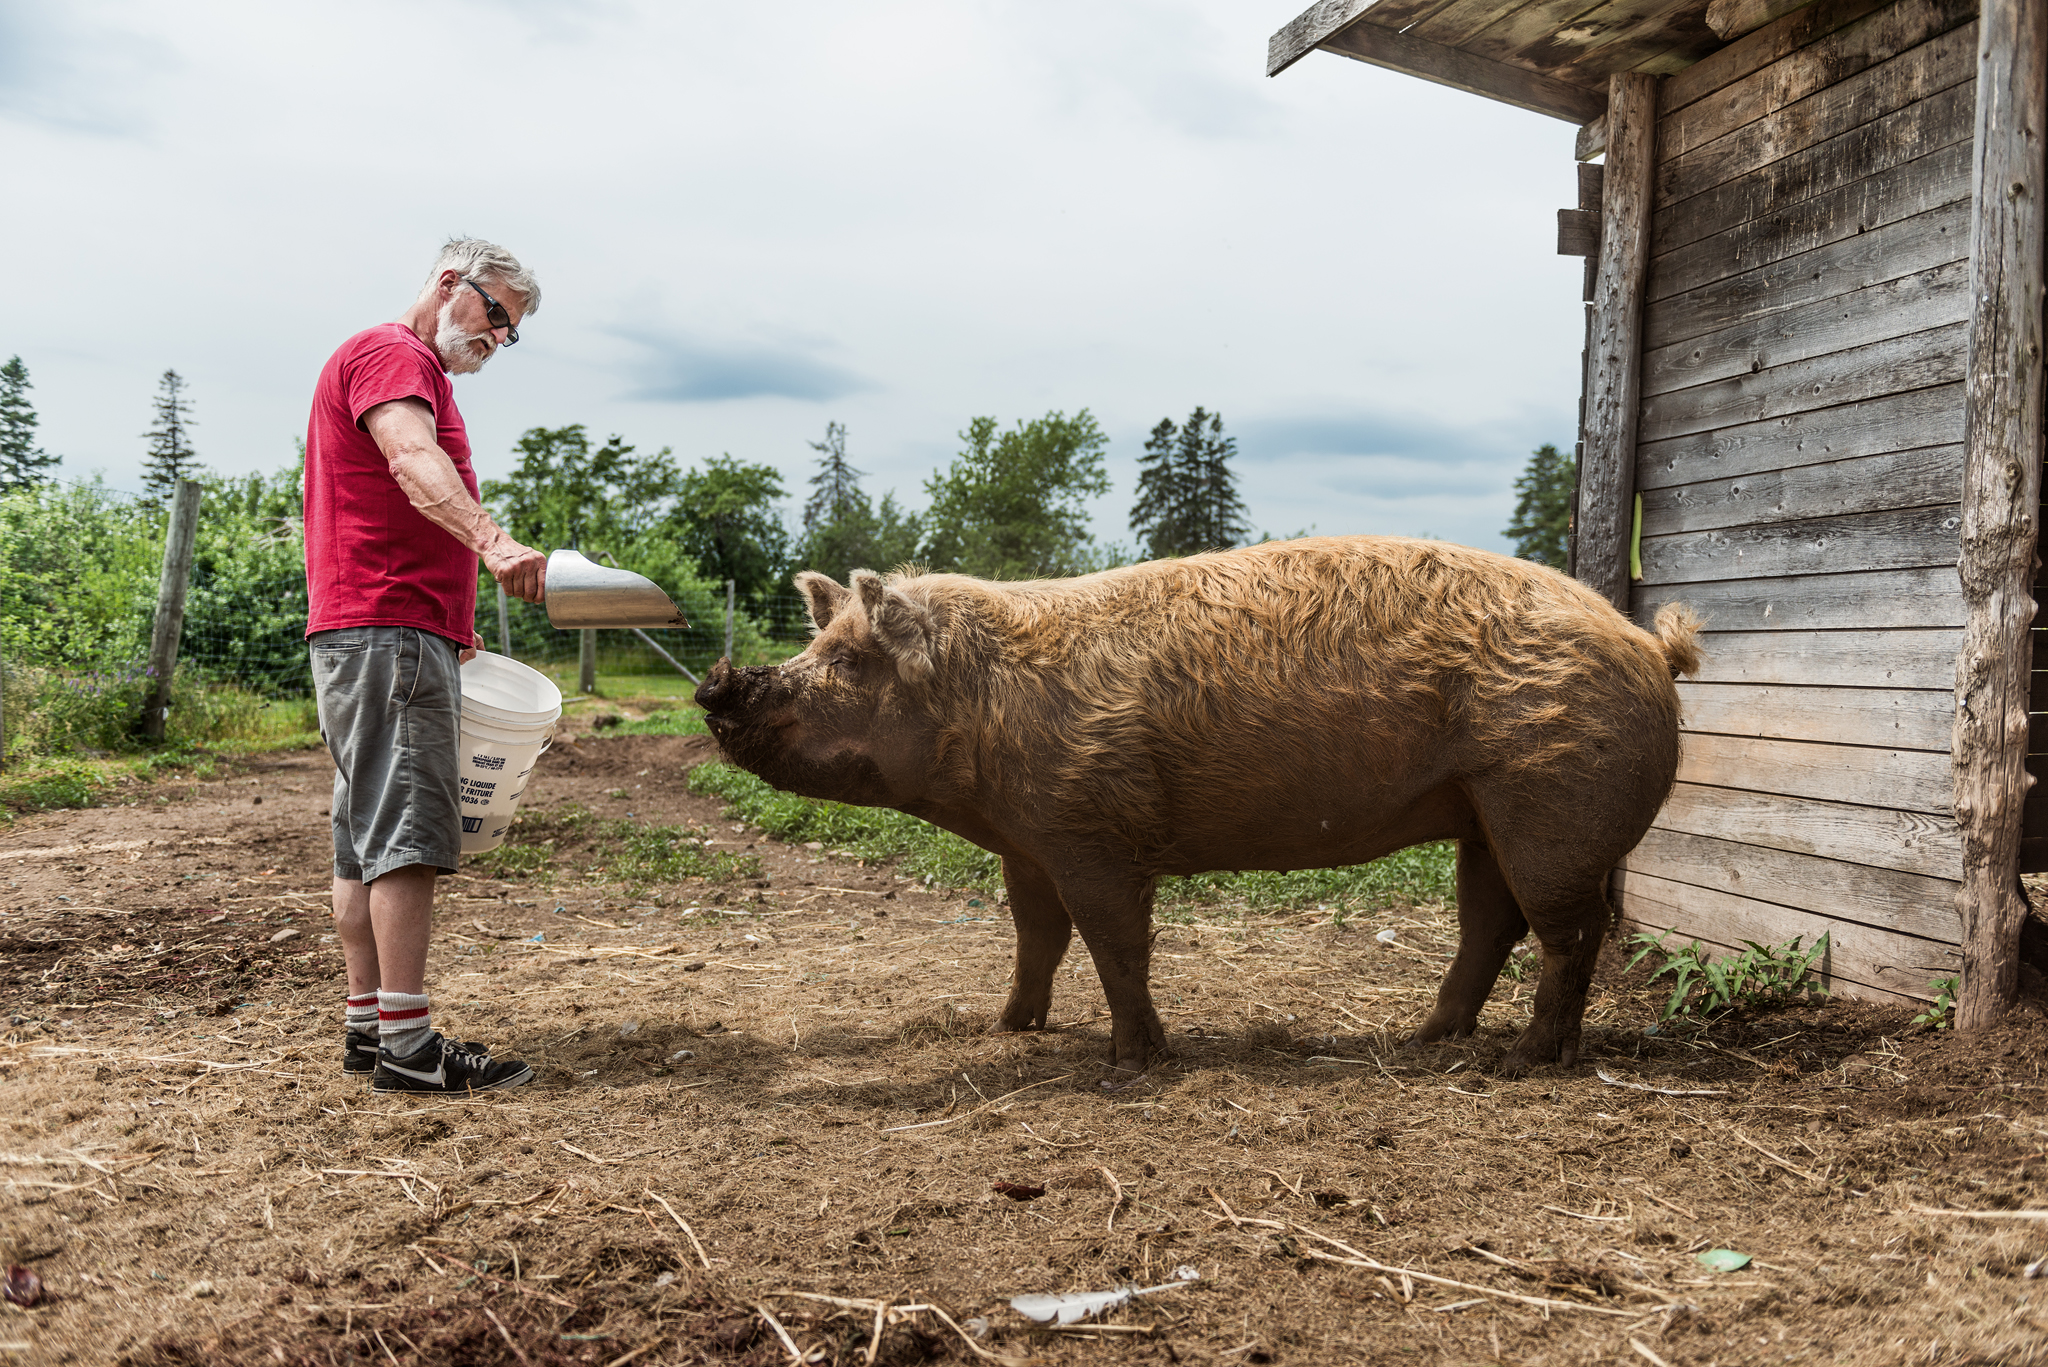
(1940, 1013)
(64, 784)
(1762, 975)
(680, 721)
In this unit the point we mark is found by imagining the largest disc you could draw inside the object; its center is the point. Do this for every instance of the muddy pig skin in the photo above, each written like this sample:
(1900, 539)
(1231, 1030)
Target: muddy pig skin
(1298, 704)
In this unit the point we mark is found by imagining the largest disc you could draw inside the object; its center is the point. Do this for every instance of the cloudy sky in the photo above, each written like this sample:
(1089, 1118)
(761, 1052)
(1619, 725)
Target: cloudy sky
(750, 220)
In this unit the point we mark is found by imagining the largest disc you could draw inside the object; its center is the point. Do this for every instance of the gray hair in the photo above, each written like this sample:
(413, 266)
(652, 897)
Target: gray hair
(475, 259)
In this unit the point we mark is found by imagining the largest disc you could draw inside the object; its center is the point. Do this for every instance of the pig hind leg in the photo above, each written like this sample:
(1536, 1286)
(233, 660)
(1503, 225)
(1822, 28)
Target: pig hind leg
(1490, 921)
(1043, 932)
(1114, 915)
(1570, 932)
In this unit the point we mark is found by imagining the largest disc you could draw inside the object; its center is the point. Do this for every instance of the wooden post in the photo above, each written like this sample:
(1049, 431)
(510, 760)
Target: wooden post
(730, 587)
(1607, 474)
(586, 661)
(2002, 428)
(504, 625)
(172, 582)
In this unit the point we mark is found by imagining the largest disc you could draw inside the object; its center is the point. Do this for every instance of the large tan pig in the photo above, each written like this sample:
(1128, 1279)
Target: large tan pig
(1298, 704)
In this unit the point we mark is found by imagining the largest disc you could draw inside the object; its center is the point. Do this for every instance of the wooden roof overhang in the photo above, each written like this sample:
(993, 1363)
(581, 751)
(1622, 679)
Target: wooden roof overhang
(1550, 56)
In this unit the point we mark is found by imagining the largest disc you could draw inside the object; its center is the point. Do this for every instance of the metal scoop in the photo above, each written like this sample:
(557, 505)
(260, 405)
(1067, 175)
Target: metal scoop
(582, 593)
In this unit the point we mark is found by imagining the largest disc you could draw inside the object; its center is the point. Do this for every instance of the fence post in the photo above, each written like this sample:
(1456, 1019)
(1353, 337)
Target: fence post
(586, 661)
(729, 584)
(504, 625)
(175, 579)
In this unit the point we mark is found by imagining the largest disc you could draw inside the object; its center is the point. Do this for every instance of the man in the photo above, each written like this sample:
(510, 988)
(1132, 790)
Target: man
(393, 535)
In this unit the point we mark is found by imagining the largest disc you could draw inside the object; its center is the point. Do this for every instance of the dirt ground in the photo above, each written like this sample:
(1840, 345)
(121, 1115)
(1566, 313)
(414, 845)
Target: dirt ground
(768, 1128)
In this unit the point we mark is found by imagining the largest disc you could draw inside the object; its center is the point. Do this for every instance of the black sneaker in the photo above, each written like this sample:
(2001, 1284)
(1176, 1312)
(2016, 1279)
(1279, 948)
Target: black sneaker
(359, 1051)
(445, 1065)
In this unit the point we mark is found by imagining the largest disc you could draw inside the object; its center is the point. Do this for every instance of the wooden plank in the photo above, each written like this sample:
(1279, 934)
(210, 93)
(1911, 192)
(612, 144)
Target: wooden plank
(1909, 842)
(1916, 418)
(1900, 657)
(1875, 601)
(1898, 718)
(1863, 960)
(1679, 26)
(1868, 776)
(1896, 539)
(1890, 252)
(1767, 45)
(1613, 383)
(1911, 903)
(1879, 146)
(1893, 308)
(1920, 360)
(1848, 51)
(1300, 35)
(1497, 29)
(1898, 479)
(1554, 33)
(1942, 177)
(2001, 498)
(1822, 118)
(1461, 71)
(1730, 19)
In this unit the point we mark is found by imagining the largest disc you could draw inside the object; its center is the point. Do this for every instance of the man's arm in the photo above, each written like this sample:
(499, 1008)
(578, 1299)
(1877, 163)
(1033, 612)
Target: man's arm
(404, 431)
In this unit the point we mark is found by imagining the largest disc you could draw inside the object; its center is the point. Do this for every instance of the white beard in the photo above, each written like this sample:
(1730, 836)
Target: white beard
(458, 348)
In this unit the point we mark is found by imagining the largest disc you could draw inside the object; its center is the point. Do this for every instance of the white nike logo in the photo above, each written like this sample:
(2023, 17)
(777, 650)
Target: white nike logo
(437, 1077)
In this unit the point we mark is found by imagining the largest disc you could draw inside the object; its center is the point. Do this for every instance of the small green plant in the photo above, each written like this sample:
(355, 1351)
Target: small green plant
(640, 855)
(67, 783)
(1939, 1014)
(1761, 975)
(1520, 958)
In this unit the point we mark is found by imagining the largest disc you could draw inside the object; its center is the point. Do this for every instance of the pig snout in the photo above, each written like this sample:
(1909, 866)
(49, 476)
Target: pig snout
(731, 696)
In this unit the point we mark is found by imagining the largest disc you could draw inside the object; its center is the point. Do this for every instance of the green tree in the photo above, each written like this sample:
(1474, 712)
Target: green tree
(729, 521)
(842, 529)
(1543, 506)
(171, 456)
(1187, 492)
(1011, 506)
(563, 493)
(22, 462)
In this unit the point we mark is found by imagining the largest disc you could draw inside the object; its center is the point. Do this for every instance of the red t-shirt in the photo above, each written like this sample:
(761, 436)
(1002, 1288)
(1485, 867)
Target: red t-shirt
(372, 559)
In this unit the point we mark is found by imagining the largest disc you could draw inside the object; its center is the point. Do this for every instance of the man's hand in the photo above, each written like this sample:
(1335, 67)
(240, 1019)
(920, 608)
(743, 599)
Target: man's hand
(521, 570)
(476, 643)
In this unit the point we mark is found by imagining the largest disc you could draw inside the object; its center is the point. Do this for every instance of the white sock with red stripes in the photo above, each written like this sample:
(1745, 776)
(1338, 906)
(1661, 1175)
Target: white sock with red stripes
(404, 1022)
(361, 1013)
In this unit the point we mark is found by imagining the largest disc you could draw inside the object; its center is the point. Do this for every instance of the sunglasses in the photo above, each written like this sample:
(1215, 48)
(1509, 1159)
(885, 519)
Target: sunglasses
(495, 315)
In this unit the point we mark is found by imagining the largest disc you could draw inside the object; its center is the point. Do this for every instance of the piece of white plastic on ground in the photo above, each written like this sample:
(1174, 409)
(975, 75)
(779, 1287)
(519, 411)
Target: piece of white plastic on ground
(1723, 1260)
(682, 1054)
(1075, 1306)
(1387, 936)
(2036, 1269)
(1613, 1081)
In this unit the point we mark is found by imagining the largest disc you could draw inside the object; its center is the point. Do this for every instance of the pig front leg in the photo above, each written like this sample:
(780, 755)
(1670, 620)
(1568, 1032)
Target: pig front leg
(1114, 916)
(1043, 931)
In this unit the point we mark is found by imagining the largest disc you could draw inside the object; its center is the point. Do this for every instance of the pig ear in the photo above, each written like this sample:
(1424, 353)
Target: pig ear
(823, 596)
(901, 625)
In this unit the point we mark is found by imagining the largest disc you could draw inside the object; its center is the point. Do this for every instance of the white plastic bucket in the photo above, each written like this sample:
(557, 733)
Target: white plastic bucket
(508, 721)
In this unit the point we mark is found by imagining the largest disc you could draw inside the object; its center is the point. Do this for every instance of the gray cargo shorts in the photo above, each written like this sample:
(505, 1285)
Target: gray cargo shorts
(391, 714)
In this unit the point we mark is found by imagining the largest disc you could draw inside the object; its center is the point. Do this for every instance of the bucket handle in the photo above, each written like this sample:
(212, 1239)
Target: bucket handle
(548, 743)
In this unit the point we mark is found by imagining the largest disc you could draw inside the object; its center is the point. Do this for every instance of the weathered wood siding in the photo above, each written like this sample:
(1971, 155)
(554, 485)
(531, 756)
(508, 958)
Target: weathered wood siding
(1799, 460)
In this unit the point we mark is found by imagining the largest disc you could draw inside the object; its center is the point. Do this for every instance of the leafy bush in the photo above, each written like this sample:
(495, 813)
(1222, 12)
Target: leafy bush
(1761, 975)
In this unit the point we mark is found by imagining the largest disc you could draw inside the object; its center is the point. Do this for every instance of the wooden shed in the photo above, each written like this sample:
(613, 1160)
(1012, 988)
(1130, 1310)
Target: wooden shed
(1813, 408)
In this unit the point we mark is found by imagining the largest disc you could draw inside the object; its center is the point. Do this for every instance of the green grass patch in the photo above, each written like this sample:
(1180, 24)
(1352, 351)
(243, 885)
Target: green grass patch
(679, 721)
(574, 841)
(1422, 874)
(60, 784)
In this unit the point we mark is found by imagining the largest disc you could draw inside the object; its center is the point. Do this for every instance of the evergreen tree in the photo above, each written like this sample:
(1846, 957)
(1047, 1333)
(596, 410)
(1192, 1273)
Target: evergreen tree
(835, 489)
(22, 462)
(1543, 507)
(1187, 492)
(171, 457)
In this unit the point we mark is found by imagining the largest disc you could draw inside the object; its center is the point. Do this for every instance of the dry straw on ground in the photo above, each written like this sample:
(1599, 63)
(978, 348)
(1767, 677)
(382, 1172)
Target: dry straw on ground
(768, 1131)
